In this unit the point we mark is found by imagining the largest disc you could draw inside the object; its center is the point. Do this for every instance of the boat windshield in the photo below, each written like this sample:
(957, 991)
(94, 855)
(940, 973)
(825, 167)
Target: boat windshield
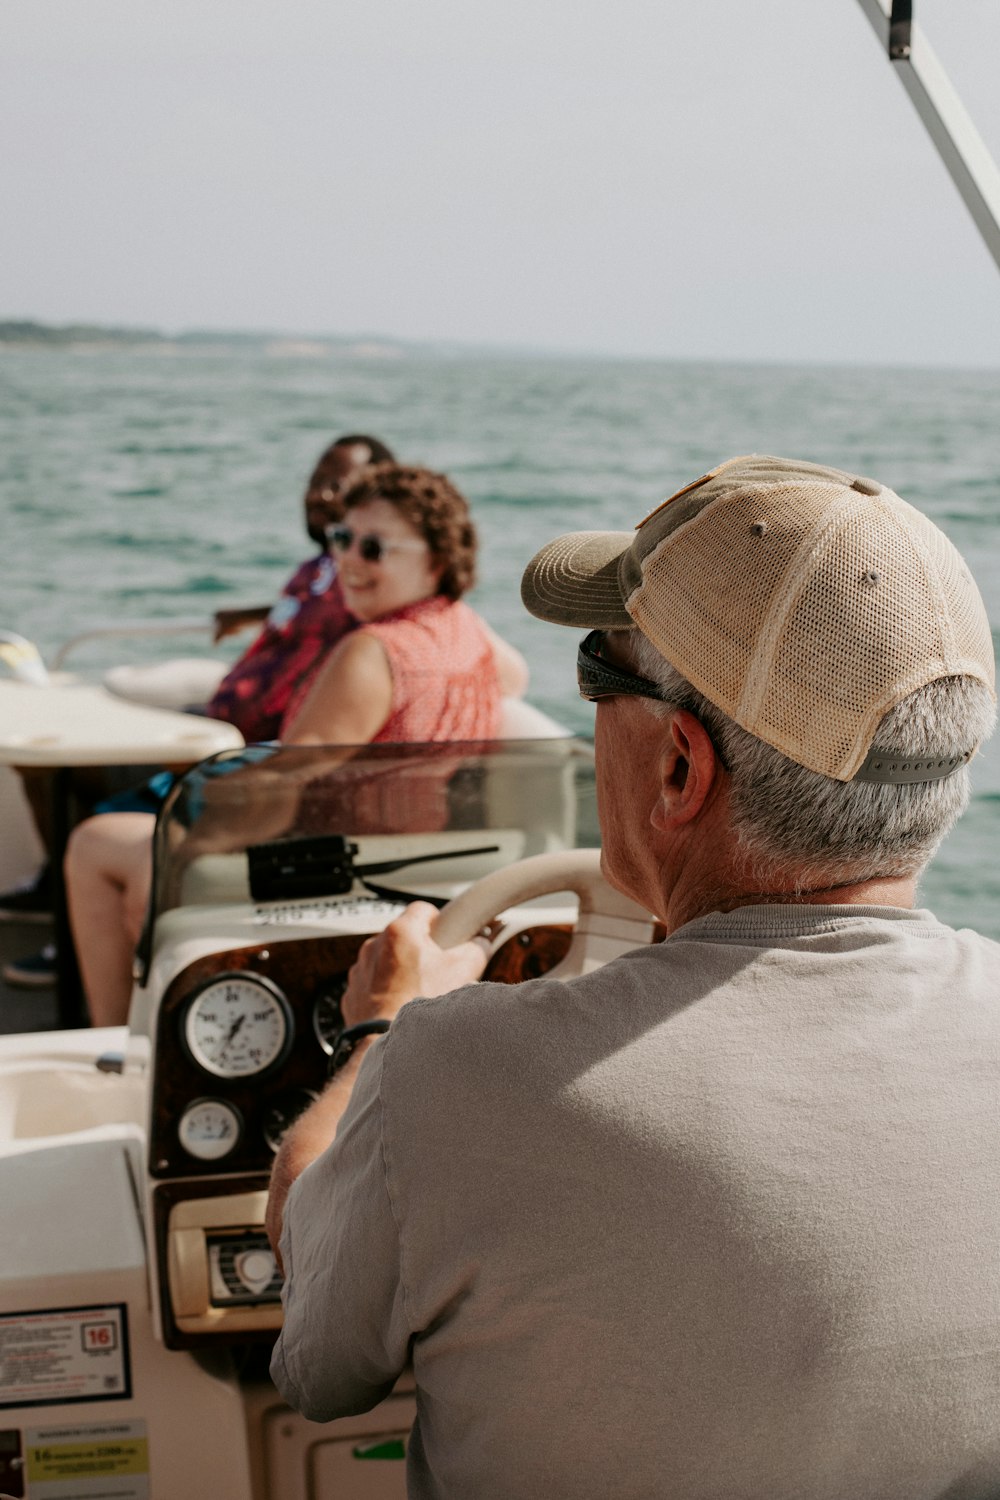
(273, 823)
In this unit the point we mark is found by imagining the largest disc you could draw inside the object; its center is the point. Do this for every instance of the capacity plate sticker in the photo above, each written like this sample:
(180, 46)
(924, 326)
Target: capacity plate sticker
(103, 1461)
(59, 1355)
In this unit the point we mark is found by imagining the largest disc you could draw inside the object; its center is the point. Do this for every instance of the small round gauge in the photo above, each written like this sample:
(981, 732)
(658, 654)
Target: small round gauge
(328, 1020)
(282, 1112)
(209, 1128)
(238, 1025)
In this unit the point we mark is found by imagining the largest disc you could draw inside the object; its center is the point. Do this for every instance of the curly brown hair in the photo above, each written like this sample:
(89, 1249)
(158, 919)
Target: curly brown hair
(432, 504)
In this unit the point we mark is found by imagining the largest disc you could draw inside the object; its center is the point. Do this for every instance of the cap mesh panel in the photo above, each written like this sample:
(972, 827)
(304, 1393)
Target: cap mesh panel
(972, 639)
(710, 586)
(849, 653)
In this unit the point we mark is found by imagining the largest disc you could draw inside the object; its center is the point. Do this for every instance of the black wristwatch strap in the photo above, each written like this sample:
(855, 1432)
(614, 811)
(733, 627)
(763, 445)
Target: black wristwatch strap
(349, 1038)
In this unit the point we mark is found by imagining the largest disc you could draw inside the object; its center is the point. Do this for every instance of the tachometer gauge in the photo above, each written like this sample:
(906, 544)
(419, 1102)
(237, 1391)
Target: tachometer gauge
(238, 1025)
(209, 1128)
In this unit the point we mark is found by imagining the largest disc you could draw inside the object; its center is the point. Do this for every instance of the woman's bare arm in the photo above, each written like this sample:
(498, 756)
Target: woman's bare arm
(350, 699)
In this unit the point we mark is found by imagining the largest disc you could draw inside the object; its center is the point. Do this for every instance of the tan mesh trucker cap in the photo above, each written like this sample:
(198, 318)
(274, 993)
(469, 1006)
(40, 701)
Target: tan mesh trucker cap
(803, 602)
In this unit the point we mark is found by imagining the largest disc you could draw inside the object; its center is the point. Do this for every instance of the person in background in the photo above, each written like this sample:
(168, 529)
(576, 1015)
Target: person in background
(417, 664)
(406, 552)
(719, 1218)
(308, 618)
(312, 615)
(297, 632)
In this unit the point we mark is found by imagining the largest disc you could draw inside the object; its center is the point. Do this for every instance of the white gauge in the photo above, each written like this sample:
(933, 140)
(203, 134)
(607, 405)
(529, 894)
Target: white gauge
(238, 1025)
(209, 1128)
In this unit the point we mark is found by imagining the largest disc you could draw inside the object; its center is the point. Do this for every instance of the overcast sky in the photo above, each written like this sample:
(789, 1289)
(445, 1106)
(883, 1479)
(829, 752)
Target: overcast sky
(742, 179)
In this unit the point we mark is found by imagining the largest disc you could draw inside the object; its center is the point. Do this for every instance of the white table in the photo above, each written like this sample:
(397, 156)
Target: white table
(80, 724)
(71, 724)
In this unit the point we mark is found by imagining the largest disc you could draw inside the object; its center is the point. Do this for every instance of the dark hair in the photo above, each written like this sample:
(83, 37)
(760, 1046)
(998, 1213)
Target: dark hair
(380, 454)
(321, 479)
(432, 504)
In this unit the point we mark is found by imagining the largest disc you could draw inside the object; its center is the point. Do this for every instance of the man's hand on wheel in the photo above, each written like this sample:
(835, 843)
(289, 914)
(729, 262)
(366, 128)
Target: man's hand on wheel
(404, 961)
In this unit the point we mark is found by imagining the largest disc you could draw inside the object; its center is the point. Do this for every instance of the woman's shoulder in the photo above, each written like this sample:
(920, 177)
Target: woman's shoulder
(423, 612)
(437, 617)
(439, 636)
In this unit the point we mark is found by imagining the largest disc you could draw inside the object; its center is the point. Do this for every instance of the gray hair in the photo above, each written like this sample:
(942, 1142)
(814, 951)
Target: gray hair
(787, 818)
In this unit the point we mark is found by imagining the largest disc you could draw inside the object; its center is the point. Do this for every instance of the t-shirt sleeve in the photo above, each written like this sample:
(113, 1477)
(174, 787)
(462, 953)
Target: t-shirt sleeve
(346, 1336)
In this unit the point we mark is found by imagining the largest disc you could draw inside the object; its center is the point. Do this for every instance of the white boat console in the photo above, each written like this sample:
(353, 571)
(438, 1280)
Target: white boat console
(139, 1295)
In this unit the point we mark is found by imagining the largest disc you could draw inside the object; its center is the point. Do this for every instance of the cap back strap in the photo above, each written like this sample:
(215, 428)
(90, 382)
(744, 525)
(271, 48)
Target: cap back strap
(890, 768)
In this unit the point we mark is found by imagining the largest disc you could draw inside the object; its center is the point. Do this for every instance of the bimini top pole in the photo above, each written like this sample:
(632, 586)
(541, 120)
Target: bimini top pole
(958, 142)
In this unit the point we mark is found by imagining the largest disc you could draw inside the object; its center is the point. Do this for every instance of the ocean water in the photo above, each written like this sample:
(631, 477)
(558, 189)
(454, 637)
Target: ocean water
(156, 486)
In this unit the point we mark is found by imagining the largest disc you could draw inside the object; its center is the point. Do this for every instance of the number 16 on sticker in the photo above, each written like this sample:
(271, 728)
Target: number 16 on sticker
(99, 1338)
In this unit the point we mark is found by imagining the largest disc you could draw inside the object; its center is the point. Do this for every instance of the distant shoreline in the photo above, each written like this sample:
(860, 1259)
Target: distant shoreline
(84, 338)
(26, 334)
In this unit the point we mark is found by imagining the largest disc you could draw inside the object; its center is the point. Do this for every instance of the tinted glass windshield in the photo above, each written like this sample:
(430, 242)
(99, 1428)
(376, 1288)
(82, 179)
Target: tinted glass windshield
(273, 823)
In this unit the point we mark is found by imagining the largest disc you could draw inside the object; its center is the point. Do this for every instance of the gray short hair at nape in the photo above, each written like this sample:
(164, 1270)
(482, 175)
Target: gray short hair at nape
(787, 818)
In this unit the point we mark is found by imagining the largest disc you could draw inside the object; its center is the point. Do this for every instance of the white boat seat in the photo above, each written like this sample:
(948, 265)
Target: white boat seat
(50, 1085)
(183, 682)
(520, 720)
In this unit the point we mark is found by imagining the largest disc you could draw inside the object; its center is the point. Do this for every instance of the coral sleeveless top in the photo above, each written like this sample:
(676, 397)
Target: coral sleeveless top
(444, 687)
(444, 678)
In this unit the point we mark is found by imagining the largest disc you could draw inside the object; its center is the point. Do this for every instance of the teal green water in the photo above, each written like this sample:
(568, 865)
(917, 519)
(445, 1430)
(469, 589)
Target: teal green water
(156, 486)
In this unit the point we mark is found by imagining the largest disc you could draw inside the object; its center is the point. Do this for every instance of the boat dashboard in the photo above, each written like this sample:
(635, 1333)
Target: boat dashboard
(245, 1039)
(271, 869)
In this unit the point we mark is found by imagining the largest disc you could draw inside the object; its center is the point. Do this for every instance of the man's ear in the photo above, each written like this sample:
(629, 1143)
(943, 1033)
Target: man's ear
(688, 768)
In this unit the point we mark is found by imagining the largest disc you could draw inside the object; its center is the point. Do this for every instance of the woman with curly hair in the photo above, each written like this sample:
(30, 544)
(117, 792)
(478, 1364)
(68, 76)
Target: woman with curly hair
(419, 665)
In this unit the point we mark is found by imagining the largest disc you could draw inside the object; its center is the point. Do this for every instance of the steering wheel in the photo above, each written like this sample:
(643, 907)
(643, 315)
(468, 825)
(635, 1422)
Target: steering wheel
(608, 923)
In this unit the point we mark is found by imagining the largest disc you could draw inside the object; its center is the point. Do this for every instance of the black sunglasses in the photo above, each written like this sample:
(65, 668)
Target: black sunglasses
(372, 548)
(599, 678)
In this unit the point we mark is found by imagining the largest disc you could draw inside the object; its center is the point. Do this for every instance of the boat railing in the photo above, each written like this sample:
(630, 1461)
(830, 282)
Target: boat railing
(144, 628)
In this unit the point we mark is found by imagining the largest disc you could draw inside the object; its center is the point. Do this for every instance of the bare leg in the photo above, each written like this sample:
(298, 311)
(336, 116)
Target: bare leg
(108, 873)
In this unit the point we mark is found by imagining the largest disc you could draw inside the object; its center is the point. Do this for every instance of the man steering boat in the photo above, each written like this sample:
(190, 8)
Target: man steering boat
(719, 1218)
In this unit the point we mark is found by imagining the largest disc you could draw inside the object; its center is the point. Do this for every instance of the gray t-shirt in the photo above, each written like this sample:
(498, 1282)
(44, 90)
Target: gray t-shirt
(721, 1219)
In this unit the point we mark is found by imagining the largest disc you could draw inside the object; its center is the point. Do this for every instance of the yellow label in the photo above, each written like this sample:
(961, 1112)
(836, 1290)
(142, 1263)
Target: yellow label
(77, 1460)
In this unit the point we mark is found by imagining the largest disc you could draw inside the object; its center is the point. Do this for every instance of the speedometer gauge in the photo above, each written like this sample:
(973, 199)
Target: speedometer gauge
(237, 1025)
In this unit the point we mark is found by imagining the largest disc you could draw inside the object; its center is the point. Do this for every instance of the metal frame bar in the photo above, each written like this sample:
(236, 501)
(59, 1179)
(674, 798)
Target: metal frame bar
(956, 139)
(137, 628)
